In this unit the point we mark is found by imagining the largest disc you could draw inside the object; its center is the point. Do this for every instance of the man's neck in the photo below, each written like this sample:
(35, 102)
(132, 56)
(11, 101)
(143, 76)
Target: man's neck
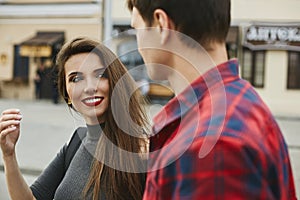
(193, 63)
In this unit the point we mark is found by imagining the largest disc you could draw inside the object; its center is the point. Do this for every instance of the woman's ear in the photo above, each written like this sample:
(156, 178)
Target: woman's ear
(164, 24)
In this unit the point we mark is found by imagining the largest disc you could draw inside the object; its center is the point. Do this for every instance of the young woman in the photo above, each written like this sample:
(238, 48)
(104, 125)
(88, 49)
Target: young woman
(109, 162)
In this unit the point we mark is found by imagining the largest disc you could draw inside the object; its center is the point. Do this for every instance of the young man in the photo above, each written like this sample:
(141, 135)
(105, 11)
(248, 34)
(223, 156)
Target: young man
(216, 139)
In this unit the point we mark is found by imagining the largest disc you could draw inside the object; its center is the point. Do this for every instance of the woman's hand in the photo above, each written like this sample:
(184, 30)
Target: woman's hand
(9, 131)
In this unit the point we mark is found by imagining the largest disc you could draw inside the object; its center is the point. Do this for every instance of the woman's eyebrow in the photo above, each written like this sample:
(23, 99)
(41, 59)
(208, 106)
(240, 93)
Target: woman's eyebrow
(100, 70)
(74, 74)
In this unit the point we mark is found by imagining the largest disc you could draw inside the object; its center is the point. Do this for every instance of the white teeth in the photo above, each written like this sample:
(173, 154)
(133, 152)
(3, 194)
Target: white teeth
(92, 100)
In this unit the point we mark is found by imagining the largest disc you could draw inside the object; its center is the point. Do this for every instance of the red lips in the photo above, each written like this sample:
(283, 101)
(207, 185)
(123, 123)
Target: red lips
(92, 101)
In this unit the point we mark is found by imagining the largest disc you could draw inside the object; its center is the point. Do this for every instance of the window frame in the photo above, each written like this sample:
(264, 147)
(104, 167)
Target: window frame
(253, 78)
(290, 85)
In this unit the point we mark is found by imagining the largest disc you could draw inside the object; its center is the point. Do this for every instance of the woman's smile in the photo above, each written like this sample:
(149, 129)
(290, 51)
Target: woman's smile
(93, 101)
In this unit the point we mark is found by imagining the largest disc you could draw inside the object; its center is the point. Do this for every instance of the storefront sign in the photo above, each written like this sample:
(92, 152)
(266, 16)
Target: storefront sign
(35, 51)
(261, 36)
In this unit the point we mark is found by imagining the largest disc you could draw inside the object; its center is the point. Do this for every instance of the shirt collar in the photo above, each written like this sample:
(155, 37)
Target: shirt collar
(182, 103)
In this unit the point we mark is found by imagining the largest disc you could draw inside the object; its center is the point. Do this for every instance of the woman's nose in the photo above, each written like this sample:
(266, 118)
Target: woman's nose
(91, 86)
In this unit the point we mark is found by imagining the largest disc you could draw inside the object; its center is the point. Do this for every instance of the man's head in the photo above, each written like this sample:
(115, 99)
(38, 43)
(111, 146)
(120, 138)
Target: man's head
(205, 21)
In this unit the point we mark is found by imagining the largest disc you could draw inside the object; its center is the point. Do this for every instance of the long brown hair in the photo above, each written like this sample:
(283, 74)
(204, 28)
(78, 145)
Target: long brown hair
(114, 174)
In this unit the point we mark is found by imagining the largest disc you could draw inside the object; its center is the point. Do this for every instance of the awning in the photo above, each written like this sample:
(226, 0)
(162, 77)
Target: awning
(42, 44)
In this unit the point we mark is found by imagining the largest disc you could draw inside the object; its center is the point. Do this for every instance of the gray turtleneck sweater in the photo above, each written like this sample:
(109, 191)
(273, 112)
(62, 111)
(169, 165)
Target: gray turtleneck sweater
(54, 184)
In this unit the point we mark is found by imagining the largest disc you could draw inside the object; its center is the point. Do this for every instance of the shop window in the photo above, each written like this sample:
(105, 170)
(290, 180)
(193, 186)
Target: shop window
(293, 70)
(231, 50)
(131, 58)
(253, 68)
(232, 42)
(129, 55)
(21, 66)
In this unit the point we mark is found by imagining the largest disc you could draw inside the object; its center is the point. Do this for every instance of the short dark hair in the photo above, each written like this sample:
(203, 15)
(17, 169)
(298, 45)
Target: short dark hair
(202, 20)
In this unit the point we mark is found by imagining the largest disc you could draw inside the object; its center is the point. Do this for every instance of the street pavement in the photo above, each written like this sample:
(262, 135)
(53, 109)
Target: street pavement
(45, 127)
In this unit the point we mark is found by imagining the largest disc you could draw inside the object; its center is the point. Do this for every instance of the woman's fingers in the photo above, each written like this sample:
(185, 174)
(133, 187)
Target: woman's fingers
(10, 114)
(10, 118)
(7, 117)
(11, 111)
(8, 124)
(7, 131)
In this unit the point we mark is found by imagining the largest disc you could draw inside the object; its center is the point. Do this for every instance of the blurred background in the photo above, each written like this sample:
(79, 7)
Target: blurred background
(264, 36)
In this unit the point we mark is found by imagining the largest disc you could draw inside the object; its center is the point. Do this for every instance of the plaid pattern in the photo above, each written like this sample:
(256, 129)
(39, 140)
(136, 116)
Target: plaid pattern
(218, 140)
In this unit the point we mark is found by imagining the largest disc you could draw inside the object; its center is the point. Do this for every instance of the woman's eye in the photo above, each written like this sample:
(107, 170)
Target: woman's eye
(101, 75)
(75, 79)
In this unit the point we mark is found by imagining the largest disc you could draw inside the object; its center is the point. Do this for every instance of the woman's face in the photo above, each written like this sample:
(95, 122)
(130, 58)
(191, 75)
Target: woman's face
(88, 90)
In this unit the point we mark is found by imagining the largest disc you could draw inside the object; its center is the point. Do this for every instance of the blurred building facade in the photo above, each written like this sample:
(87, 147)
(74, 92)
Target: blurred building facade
(269, 50)
(264, 35)
(32, 32)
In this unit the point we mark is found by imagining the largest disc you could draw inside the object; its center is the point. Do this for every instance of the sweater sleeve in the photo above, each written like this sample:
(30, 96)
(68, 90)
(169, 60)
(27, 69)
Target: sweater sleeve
(46, 184)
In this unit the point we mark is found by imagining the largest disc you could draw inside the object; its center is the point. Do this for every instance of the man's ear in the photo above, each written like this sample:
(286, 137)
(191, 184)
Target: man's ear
(164, 24)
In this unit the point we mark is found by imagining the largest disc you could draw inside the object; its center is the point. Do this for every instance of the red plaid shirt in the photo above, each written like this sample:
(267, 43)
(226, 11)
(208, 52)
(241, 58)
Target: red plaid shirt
(218, 140)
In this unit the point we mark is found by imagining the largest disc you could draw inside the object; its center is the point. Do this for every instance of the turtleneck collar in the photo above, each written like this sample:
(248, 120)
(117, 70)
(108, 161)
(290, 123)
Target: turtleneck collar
(94, 131)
